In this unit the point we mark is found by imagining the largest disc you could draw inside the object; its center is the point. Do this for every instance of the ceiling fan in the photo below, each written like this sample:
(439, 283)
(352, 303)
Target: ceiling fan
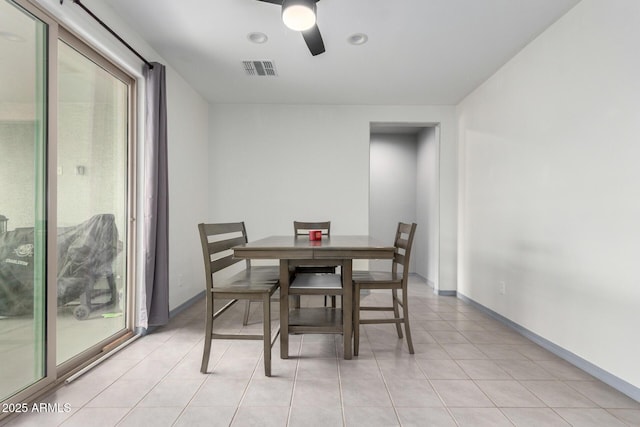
(300, 15)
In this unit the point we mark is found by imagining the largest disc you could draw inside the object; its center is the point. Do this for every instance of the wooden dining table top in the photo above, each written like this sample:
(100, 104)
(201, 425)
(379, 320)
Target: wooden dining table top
(301, 247)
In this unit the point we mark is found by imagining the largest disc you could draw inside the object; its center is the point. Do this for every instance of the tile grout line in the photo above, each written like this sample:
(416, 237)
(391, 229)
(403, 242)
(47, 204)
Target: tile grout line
(163, 378)
(474, 380)
(295, 381)
(435, 390)
(344, 417)
(199, 387)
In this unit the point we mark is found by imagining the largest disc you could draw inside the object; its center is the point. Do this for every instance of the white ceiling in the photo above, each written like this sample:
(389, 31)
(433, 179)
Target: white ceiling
(419, 51)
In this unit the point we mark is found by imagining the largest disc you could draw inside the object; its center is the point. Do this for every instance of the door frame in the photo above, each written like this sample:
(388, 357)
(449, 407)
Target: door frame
(96, 351)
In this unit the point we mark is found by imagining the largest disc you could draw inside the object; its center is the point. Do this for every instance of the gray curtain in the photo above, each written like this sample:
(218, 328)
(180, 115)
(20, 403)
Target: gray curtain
(156, 208)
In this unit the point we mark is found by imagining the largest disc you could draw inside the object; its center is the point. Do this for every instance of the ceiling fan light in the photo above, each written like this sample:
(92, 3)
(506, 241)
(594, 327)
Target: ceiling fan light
(299, 15)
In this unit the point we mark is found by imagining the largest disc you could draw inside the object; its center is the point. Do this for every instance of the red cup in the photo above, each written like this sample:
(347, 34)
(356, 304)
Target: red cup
(315, 235)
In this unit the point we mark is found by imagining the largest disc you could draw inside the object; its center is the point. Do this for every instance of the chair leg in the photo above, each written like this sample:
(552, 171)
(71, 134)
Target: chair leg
(247, 309)
(396, 312)
(356, 319)
(208, 331)
(266, 331)
(333, 301)
(405, 315)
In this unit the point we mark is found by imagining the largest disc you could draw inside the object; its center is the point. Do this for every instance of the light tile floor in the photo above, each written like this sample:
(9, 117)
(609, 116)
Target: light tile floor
(468, 370)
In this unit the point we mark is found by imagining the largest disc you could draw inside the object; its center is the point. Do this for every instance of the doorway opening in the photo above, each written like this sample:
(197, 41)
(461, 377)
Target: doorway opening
(403, 186)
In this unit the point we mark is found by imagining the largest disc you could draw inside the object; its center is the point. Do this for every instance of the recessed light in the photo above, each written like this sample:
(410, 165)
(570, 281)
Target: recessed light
(12, 37)
(258, 38)
(357, 39)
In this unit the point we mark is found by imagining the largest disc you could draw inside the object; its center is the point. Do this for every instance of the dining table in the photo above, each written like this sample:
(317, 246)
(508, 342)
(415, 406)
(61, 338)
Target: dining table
(301, 250)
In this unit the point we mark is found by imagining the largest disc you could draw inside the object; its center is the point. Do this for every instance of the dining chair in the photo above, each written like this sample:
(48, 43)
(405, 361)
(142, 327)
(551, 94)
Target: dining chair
(250, 284)
(382, 280)
(301, 229)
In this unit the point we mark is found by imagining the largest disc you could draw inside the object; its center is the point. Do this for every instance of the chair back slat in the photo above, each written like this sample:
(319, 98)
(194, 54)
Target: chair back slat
(405, 228)
(303, 228)
(217, 241)
(225, 245)
(223, 228)
(403, 243)
(221, 263)
(400, 259)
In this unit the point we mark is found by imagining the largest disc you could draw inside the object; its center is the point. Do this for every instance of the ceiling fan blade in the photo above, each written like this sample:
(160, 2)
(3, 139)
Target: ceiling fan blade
(272, 1)
(313, 39)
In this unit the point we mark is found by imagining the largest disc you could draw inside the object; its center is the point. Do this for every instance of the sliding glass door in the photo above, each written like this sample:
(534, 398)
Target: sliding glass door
(66, 202)
(23, 40)
(92, 199)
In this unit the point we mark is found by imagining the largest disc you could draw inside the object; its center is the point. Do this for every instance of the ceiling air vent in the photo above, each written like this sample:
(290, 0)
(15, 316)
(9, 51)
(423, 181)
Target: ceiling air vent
(260, 68)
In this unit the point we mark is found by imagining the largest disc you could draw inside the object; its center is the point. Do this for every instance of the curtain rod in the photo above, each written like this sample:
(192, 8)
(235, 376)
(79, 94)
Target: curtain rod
(79, 3)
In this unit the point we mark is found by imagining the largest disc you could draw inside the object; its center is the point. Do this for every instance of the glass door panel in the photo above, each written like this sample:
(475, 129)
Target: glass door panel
(92, 203)
(22, 199)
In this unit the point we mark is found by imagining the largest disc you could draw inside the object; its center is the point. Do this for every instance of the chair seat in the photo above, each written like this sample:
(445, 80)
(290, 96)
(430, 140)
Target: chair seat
(246, 287)
(364, 277)
(254, 274)
(317, 281)
(246, 281)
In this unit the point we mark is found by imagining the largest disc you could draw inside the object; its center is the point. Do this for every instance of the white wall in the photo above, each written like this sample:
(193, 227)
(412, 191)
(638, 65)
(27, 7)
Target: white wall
(551, 201)
(427, 201)
(188, 133)
(270, 164)
(187, 141)
(392, 192)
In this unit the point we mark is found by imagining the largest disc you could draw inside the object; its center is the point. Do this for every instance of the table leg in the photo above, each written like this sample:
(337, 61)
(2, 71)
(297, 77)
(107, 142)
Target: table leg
(347, 307)
(284, 309)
